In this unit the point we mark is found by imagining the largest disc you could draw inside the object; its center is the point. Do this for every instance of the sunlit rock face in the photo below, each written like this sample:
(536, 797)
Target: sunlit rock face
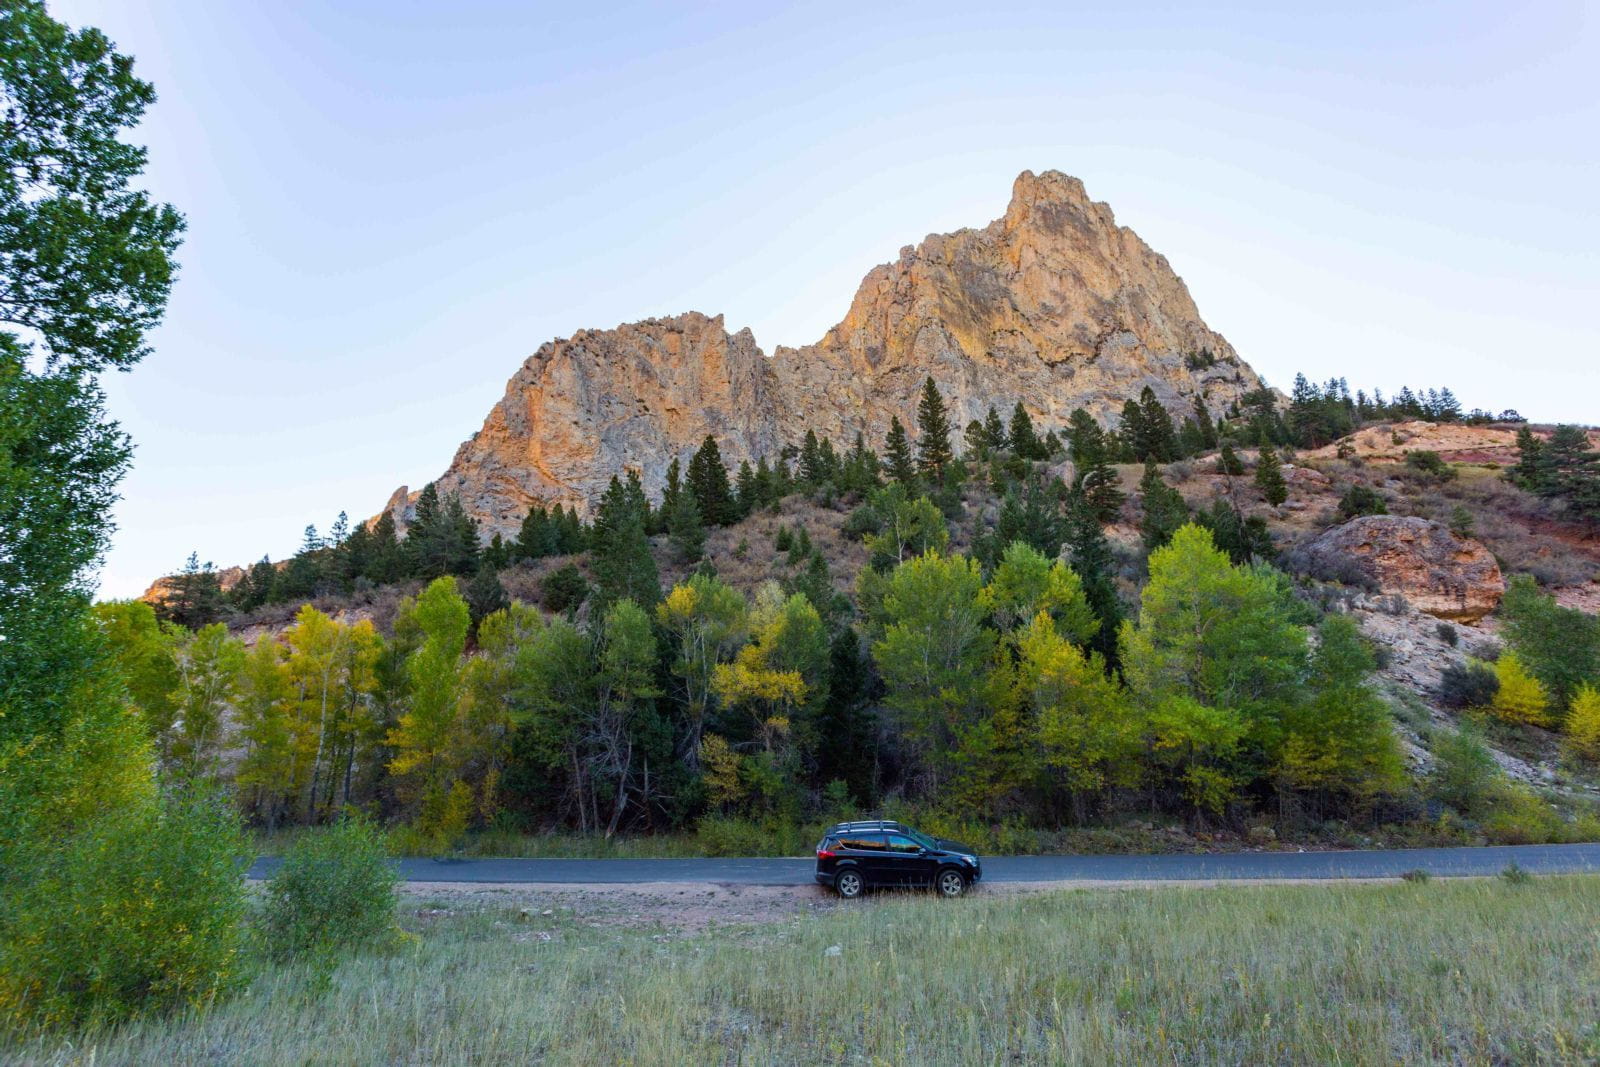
(1052, 304)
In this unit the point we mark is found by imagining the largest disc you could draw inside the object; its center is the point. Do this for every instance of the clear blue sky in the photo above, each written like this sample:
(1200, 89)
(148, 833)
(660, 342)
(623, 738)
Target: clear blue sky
(392, 203)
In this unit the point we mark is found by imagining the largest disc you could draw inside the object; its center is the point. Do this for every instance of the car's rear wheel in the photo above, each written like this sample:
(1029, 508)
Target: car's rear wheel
(951, 883)
(849, 884)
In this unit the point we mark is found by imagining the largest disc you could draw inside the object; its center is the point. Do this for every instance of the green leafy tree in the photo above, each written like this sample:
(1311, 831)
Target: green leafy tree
(1085, 727)
(1026, 584)
(1217, 649)
(1339, 738)
(1560, 646)
(426, 737)
(263, 710)
(907, 526)
(708, 622)
(208, 663)
(624, 691)
(934, 653)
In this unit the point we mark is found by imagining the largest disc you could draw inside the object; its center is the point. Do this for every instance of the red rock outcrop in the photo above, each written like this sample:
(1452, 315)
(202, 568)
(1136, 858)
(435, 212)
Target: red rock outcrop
(1439, 573)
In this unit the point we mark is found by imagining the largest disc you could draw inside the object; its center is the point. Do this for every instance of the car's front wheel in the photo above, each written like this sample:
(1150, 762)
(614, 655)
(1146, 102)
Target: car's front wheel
(951, 882)
(849, 884)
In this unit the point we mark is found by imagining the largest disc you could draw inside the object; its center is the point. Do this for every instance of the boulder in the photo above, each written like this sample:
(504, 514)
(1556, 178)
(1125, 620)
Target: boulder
(1448, 577)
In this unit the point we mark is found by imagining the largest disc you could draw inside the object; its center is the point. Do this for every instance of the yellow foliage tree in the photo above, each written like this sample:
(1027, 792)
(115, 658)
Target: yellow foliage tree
(1583, 724)
(1521, 698)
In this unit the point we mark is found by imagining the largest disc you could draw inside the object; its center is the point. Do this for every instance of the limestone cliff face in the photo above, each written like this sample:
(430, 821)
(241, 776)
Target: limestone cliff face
(605, 401)
(1053, 304)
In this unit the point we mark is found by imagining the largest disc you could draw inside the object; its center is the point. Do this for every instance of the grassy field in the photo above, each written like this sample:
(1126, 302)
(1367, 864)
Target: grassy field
(1434, 972)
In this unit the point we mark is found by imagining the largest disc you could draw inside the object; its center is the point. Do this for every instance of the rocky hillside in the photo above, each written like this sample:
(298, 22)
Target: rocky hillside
(1052, 304)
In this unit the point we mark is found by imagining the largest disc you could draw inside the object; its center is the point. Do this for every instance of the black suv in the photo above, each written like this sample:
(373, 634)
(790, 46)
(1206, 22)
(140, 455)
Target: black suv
(856, 855)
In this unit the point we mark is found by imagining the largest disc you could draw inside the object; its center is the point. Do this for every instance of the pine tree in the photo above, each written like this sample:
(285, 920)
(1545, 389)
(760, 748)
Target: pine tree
(496, 554)
(1246, 541)
(976, 439)
(1160, 440)
(623, 566)
(708, 478)
(685, 528)
(1097, 479)
(897, 453)
(1086, 441)
(1269, 477)
(1163, 507)
(994, 431)
(1530, 470)
(1202, 421)
(811, 466)
(1131, 432)
(196, 598)
(933, 430)
(536, 538)
(1024, 442)
(485, 595)
(748, 491)
(1096, 566)
(669, 497)
(1228, 462)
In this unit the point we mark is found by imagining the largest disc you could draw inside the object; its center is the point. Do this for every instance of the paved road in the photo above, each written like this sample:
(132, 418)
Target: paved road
(1234, 866)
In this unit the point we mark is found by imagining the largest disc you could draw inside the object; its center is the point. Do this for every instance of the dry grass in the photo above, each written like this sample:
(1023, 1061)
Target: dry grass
(1427, 972)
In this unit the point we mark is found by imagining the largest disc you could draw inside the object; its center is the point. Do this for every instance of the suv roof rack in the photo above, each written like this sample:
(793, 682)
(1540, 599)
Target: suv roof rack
(867, 824)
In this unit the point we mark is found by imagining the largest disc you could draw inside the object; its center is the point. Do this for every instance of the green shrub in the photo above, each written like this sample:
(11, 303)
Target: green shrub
(335, 892)
(1515, 874)
(1465, 775)
(1468, 685)
(1360, 500)
(1417, 876)
(564, 589)
(1521, 817)
(1429, 463)
(140, 910)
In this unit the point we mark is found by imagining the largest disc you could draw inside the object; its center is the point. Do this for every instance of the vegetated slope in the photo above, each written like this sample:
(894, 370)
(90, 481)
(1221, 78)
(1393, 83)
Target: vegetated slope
(1052, 304)
(1527, 535)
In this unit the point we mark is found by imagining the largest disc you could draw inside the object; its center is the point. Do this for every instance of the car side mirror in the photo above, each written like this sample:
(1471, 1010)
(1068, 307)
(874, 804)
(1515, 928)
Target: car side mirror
(922, 851)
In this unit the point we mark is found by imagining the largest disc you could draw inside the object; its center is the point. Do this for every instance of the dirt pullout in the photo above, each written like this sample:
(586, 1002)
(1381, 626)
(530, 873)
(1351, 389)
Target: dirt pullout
(686, 907)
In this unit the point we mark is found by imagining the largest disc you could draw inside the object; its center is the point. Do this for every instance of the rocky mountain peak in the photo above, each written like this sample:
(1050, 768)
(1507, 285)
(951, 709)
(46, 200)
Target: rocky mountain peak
(1052, 304)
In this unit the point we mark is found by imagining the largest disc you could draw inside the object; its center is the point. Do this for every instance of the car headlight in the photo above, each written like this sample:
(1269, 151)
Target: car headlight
(973, 860)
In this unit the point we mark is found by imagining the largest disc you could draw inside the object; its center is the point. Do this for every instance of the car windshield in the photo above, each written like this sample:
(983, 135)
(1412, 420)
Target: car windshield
(922, 839)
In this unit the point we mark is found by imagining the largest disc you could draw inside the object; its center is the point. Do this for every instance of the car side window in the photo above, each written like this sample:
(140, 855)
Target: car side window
(903, 844)
(862, 842)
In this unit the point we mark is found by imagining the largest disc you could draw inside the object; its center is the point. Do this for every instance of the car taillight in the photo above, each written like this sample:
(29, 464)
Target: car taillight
(824, 854)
